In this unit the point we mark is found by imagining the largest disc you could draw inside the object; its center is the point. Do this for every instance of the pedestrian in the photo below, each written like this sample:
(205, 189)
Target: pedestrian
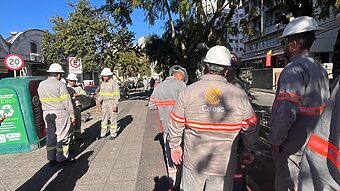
(107, 100)
(145, 84)
(75, 92)
(152, 84)
(164, 98)
(233, 76)
(58, 115)
(300, 98)
(209, 117)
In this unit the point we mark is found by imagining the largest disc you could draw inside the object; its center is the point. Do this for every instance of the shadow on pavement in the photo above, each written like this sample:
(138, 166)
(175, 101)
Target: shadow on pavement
(123, 123)
(65, 180)
(140, 95)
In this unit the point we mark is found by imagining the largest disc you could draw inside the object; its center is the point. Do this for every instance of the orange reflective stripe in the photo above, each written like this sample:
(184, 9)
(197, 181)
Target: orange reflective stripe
(218, 127)
(290, 97)
(311, 110)
(152, 99)
(166, 103)
(176, 118)
(325, 149)
(250, 121)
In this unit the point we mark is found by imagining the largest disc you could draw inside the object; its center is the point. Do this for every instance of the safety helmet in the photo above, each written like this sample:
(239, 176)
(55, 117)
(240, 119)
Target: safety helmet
(106, 72)
(300, 25)
(72, 76)
(63, 80)
(178, 68)
(55, 68)
(219, 55)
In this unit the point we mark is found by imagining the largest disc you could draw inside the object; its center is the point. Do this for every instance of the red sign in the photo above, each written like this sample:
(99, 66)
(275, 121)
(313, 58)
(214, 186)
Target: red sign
(14, 62)
(269, 58)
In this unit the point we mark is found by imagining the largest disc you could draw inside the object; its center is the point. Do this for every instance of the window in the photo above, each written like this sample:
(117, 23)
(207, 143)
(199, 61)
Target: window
(34, 47)
(241, 49)
(236, 40)
(231, 40)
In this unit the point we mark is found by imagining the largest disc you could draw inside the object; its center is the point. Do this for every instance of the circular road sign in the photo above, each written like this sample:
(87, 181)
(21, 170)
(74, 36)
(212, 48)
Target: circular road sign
(74, 62)
(14, 62)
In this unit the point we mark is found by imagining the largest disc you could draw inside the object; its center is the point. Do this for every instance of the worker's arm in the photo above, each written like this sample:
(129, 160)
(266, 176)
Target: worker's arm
(250, 129)
(286, 104)
(116, 93)
(152, 102)
(66, 100)
(176, 128)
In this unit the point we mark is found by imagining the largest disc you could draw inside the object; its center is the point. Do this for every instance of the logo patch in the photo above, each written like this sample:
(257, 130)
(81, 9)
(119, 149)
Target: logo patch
(213, 96)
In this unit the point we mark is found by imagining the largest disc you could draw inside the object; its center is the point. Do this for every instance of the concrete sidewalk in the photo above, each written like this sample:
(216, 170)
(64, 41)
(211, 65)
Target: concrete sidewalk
(133, 161)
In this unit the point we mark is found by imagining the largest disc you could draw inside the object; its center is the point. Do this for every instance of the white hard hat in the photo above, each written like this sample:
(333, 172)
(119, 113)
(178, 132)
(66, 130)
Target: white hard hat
(72, 76)
(106, 72)
(300, 25)
(218, 55)
(63, 80)
(178, 68)
(55, 68)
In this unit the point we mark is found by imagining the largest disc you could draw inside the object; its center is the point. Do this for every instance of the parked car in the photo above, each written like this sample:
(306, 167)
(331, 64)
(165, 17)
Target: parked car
(124, 90)
(91, 92)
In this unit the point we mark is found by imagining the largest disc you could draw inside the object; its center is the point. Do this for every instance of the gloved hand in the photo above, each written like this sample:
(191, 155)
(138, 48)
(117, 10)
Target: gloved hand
(73, 120)
(176, 155)
(115, 108)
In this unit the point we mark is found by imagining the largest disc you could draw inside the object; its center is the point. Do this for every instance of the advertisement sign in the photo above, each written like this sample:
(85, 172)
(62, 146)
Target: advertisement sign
(37, 110)
(269, 58)
(75, 65)
(12, 129)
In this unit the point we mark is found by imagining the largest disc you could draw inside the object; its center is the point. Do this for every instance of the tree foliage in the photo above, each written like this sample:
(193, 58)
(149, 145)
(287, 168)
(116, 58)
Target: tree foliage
(94, 36)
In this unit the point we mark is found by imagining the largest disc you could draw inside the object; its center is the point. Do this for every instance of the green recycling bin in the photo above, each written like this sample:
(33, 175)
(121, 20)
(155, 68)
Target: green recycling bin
(24, 129)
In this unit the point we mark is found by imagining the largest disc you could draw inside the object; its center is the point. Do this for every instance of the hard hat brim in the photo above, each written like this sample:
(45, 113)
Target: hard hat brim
(51, 71)
(217, 63)
(318, 29)
(108, 74)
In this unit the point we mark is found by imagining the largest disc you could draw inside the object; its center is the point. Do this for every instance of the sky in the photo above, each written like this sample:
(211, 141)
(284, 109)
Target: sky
(20, 15)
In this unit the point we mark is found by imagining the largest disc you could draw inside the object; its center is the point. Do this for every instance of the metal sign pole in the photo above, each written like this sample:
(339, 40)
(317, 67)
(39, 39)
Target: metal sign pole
(15, 73)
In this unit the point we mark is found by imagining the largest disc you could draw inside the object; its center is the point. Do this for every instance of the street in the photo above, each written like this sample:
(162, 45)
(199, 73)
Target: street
(133, 161)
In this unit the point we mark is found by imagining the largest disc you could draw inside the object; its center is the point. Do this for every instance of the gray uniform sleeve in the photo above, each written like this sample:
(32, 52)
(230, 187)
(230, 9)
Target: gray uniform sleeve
(66, 100)
(177, 122)
(250, 128)
(286, 103)
(116, 92)
(152, 102)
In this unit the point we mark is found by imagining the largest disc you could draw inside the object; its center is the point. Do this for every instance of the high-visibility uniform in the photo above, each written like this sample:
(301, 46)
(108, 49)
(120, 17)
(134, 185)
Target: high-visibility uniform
(300, 98)
(108, 96)
(76, 130)
(208, 116)
(164, 98)
(57, 111)
(320, 165)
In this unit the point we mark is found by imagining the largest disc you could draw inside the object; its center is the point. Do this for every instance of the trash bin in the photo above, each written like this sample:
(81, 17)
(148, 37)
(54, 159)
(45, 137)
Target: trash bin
(24, 129)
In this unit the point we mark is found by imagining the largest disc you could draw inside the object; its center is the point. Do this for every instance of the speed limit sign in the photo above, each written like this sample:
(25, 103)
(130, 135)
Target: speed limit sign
(14, 62)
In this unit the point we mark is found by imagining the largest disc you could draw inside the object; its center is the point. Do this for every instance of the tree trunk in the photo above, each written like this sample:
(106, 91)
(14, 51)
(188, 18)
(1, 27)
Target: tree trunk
(336, 57)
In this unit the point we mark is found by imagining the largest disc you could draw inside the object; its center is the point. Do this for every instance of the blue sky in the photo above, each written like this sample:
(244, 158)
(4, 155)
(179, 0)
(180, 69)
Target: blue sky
(21, 15)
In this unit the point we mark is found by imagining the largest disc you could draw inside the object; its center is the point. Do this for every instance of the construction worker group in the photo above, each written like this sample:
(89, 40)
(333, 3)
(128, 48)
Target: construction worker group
(209, 127)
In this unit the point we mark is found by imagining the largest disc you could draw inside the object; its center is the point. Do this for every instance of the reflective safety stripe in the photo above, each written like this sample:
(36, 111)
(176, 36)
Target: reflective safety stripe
(250, 121)
(217, 127)
(166, 103)
(325, 149)
(289, 97)
(172, 170)
(311, 110)
(50, 148)
(55, 99)
(104, 126)
(177, 119)
(113, 126)
(152, 99)
(63, 149)
(109, 93)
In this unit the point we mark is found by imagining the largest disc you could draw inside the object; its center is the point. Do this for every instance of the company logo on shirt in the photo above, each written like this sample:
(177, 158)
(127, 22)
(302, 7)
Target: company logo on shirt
(213, 96)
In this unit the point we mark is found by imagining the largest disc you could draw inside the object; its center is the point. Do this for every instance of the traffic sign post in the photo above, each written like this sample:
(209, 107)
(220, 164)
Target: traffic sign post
(14, 62)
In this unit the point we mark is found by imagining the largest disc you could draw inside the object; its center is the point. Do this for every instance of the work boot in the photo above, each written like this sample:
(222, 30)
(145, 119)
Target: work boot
(52, 163)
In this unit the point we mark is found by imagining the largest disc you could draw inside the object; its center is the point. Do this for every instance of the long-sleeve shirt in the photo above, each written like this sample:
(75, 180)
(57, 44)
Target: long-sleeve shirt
(109, 90)
(209, 115)
(300, 98)
(164, 98)
(53, 95)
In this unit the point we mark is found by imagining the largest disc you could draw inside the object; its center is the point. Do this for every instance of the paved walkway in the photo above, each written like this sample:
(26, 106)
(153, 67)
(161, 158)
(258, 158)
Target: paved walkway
(133, 161)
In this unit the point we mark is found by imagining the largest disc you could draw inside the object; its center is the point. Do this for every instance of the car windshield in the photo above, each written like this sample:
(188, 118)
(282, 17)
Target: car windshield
(91, 89)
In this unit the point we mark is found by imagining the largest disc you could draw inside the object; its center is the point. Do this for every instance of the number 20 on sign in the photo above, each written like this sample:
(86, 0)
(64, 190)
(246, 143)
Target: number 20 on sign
(14, 62)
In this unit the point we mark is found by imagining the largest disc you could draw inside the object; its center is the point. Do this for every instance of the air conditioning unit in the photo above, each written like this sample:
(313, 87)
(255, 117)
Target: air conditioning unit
(33, 56)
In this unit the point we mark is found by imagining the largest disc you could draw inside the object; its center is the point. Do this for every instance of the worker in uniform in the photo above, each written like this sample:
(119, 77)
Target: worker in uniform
(75, 91)
(210, 116)
(58, 115)
(164, 98)
(107, 100)
(320, 166)
(300, 98)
